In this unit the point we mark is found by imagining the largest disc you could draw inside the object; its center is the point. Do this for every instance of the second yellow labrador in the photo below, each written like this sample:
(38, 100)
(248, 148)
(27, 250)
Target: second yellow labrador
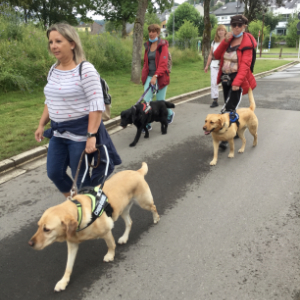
(59, 223)
(221, 129)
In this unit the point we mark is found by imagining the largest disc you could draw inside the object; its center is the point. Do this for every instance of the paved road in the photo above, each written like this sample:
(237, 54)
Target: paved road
(227, 232)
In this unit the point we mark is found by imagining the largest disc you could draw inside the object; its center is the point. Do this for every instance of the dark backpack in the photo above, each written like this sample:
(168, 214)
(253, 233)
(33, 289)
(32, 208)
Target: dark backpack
(105, 87)
(253, 54)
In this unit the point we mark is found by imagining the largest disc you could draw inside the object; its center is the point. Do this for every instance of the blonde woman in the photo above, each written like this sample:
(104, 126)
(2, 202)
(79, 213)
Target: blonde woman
(74, 104)
(214, 64)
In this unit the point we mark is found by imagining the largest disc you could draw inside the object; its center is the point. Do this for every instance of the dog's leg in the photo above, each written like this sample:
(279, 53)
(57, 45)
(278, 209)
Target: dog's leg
(146, 202)
(146, 136)
(72, 251)
(241, 134)
(137, 137)
(216, 150)
(253, 131)
(128, 223)
(231, 147)
(111, 245)
(164, 127)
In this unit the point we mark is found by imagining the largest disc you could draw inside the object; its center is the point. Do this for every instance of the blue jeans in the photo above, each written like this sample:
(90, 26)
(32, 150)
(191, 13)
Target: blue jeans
(61, 154)
(161, 94)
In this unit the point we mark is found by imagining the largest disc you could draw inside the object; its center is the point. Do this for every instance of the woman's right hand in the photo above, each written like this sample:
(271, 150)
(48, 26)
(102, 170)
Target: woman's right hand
(205, 69)
(228, 36)
(39, 134)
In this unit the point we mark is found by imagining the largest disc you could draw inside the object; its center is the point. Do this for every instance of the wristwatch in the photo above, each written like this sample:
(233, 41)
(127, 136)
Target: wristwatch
(89, 135)
(155, 75)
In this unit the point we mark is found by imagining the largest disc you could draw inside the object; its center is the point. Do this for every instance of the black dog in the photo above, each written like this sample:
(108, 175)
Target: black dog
(140, 115)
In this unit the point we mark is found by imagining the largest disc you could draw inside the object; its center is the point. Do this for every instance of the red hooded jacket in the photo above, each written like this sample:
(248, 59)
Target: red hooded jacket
(161, 62)
(244, 77)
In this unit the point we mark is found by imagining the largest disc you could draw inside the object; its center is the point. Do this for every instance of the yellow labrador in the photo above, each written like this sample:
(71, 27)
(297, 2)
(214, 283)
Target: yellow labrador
(219, 126)
(59, 223)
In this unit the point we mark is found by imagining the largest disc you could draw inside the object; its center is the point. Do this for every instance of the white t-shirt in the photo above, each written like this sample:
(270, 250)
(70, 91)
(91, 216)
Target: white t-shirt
(68, 97)
(215, 63)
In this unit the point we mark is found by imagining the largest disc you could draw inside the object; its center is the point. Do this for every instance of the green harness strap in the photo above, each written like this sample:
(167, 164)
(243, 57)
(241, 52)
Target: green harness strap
(92, 196)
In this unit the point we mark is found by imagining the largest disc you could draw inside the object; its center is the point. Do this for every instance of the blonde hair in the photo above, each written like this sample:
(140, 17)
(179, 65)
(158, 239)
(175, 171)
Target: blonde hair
(70, 34)
(217, 38)
(154, 27)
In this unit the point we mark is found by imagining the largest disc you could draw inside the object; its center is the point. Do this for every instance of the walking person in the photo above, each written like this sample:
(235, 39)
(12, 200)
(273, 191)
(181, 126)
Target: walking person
(74, 104)
(235, 55)
(155, 69)
(214, 64)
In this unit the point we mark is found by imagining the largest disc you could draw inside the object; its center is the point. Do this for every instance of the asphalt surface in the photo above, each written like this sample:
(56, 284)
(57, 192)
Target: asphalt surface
(226, 232)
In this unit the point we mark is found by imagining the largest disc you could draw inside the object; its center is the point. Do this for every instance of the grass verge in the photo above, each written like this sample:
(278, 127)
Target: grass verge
(20, 111)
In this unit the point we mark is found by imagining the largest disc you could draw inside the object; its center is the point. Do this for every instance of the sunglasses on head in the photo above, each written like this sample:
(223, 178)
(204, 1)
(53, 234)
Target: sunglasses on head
(237, 25)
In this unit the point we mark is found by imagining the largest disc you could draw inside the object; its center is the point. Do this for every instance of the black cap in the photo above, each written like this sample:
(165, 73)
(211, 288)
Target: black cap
(239, 19)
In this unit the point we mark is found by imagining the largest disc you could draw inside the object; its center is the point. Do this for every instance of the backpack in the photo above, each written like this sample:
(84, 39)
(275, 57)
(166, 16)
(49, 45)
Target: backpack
(106, 95)
(253, 55)
(169, 63)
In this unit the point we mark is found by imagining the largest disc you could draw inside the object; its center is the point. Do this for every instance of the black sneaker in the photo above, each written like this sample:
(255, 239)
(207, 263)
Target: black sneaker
(149, 127)
(214, 104)
(171, 118)
(223, 145)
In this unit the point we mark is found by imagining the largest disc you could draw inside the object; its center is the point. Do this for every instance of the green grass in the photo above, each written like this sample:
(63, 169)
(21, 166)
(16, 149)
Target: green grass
(20, 111)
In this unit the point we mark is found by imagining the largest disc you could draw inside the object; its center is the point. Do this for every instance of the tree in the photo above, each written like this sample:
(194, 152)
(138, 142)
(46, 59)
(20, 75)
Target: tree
(111, 26)
(255, 26)
(292, 37)
(138, 34)
(50, 12)
(187, 31)
(254, 8)
(213, 22)
(184, 12)
(116, 11)
(194, 2)
(270, 20)
(206, 33)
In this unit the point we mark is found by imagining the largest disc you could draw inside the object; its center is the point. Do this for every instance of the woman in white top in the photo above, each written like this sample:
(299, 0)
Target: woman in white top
(214, 64)
(74, 104)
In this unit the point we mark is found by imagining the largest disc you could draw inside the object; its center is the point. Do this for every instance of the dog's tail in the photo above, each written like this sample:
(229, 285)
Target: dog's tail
(144, 169)
(251, 99)
(169, 104)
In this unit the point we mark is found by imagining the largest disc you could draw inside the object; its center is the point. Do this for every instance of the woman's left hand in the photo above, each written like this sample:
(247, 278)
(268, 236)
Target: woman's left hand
(235, 88)
(90, 146)
(153, 80)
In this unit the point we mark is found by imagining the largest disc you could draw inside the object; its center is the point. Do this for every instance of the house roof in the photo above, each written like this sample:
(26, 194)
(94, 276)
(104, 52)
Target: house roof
(230, 9)
(100, 22)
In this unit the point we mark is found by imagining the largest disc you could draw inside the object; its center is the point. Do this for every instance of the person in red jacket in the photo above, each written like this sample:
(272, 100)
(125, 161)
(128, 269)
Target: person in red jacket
(155, 69)
(235, 55)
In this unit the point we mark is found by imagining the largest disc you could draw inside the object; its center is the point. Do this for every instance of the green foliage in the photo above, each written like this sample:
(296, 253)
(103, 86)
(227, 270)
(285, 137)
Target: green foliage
(184, 11)
(254, 28)
(292, 37)
(270, 20)
(213, 21)
(113, 27)
(151, 18)
(187, 31)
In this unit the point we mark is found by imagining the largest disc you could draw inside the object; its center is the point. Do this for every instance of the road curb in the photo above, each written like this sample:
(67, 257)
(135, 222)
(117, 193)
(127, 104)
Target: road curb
(18, 160)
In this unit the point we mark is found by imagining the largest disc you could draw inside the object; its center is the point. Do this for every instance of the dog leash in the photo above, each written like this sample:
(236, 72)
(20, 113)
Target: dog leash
(154, 90)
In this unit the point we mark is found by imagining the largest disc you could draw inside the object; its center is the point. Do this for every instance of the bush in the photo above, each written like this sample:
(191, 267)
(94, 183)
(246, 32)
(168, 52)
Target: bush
(256, 26)
(292, 36)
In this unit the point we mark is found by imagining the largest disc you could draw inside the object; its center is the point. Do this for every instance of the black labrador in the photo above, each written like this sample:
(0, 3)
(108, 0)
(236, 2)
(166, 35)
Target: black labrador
(140, 115)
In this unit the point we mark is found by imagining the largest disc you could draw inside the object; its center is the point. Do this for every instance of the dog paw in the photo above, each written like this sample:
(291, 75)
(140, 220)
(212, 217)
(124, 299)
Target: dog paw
(132, 144)
(156, 219)
(146, 136)
(213, 162)
(231, 155)
(61, 285)
(122, 240)
(108, 257)
(241, 150)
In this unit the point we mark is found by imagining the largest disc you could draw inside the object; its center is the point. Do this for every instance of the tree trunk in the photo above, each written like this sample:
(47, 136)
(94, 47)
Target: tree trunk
(138, 41)
(25, 15)
(124, 33)
(206, 33)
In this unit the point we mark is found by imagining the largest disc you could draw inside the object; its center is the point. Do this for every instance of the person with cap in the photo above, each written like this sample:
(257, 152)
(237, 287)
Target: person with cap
(235, 55)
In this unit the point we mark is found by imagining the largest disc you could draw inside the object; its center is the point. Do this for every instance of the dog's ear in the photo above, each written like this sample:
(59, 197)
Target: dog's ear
(70, 225)
(220, 122)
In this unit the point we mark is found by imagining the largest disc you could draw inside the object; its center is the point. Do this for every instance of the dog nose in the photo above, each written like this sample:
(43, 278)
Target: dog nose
(204, 128)
(31, 243)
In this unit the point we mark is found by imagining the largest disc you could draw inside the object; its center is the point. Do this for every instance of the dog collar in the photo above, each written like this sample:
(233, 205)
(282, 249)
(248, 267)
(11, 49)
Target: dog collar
(98, 206)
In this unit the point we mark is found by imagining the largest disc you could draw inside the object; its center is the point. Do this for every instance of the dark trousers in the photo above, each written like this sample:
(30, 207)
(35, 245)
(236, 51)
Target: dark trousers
(234, 96)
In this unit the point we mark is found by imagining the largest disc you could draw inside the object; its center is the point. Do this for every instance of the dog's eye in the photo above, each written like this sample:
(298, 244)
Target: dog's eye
(46, 229)
(211, 122)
